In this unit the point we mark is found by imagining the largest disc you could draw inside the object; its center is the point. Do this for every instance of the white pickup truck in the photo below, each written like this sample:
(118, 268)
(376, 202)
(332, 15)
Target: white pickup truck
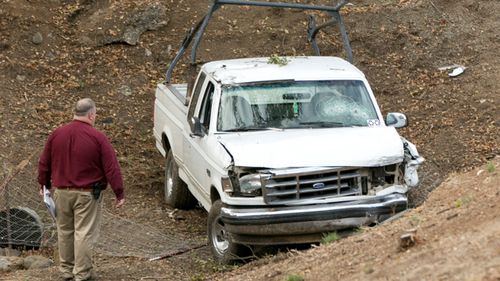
(281, 150)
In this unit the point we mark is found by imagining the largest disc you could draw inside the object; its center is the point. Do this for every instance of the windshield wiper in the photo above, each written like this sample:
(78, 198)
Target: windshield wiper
(324, 124)
(358, 125)
(247, 129)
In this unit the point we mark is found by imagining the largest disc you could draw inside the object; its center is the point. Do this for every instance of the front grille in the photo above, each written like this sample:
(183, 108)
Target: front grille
(283, 188)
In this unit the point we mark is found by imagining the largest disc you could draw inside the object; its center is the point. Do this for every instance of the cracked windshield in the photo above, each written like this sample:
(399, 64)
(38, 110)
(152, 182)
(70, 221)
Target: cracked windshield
(295, 104)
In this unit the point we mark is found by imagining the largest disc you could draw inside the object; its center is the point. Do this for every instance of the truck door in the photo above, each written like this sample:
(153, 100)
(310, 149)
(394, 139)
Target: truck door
(196, 147)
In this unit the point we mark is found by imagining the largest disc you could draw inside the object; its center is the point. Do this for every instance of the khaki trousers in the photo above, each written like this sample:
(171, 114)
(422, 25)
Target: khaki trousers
(77, 216)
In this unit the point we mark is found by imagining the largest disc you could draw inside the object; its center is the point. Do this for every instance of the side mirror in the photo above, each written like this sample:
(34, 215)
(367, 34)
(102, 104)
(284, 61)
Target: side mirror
(196, 127)
(396, 120)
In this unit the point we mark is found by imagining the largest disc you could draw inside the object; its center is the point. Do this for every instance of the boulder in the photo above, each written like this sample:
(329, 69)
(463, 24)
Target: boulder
(8, 264)
(9, 252)
(20, 227)
(37, 38)
(125, 90)
(118, 23)
(36, 262)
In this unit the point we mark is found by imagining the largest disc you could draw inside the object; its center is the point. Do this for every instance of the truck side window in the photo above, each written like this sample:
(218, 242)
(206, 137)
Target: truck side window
(196, 94)
(206, 107)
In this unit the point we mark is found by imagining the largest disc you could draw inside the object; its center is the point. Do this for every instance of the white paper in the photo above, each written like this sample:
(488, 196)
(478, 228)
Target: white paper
(47, 199)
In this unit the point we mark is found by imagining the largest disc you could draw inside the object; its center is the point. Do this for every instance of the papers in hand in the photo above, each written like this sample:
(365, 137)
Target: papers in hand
(47, 199)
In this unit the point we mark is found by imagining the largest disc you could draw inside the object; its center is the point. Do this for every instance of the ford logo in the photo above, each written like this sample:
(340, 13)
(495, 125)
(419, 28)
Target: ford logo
(318, 185)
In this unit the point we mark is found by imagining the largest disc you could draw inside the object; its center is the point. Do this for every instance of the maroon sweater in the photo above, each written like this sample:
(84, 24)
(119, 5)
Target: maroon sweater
(79, 155)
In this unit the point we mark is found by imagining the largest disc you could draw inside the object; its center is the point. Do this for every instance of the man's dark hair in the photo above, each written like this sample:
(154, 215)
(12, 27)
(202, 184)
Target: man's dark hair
(84, 106)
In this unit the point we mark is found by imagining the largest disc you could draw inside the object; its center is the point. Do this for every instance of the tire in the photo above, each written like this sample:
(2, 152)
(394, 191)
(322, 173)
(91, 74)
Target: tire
(175, 190)
(223, 249)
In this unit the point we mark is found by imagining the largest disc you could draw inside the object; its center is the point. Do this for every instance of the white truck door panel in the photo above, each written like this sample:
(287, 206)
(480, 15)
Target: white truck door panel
(199, 168)
(198, 162)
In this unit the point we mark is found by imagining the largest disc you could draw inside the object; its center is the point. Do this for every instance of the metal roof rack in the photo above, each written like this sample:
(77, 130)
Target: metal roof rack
(197, 31)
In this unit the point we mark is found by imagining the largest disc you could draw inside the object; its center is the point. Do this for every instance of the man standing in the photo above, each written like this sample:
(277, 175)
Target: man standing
(78, 161)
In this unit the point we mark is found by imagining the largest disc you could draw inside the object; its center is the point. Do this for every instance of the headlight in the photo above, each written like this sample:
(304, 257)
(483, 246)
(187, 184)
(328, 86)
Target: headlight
(250, 185)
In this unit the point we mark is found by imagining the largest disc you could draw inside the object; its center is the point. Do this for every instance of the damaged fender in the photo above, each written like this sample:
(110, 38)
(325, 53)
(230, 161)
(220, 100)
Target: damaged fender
(412, 161)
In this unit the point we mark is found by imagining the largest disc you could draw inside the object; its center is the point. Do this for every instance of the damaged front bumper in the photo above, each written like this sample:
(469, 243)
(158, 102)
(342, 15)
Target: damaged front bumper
(306, 224)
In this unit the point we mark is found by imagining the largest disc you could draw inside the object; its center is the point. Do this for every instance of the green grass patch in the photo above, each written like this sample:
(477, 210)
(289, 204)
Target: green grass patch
(198, 277)
(359, 230)
(330, 237)
(275, 59)
(415, 220)
(294, 277)
(463, 201)
(490, 167)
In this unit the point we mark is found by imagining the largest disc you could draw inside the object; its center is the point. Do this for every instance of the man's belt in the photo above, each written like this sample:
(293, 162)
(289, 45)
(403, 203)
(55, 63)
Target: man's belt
(76, 188)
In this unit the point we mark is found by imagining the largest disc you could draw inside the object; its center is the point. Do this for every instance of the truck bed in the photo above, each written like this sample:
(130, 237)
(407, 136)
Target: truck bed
(171, 121)
(179, 90)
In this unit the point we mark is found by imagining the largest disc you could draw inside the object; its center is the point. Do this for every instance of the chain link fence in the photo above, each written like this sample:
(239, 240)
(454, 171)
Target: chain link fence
(26, 223)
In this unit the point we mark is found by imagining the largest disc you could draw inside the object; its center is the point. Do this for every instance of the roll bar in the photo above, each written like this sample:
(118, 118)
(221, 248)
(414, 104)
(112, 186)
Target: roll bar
(197, 31)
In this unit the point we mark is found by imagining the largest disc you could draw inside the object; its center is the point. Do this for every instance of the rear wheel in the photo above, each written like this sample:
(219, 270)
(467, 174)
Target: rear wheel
(176, 192)
(223, 249)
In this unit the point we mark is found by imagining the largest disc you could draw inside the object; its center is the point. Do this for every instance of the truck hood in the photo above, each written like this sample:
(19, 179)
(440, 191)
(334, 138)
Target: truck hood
(354, 146)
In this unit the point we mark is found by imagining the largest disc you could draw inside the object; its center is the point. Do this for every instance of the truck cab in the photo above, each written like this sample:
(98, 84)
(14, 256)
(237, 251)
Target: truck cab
(283, 153)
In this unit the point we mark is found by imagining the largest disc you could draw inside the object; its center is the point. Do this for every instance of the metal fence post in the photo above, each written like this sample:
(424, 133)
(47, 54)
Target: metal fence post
(7, 209)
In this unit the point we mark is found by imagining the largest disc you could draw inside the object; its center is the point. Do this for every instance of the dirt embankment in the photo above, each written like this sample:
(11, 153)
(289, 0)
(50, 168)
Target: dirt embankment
(456, 235)
(55, 52)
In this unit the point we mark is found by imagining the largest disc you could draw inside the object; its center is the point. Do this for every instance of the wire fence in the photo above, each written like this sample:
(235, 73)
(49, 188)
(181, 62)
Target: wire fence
(26, 223)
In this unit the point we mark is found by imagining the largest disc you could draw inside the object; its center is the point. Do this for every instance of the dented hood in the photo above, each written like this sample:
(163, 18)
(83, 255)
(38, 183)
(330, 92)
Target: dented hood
(355, 146)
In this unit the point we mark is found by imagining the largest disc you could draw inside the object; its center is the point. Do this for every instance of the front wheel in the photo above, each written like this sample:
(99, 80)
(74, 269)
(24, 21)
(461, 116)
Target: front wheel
(223, 249)
(176, 192)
